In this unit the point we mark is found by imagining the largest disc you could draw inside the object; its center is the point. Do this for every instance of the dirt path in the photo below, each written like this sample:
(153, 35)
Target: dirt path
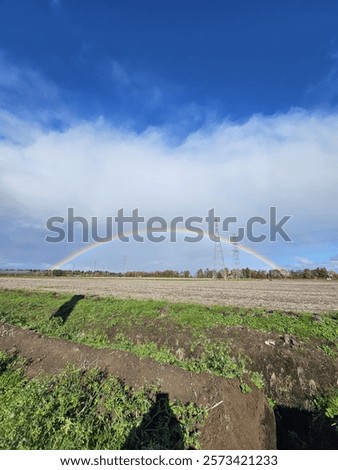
(296, 296)
(240, 421)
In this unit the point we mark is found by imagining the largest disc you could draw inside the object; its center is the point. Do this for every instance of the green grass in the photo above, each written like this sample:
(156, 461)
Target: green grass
(329, 351)
(302, 325)
(34, 310)
(214, 357)
(92, 319)
(81, 410)
(97, 314)
(257, 379)
(272, 403)
(329, 405)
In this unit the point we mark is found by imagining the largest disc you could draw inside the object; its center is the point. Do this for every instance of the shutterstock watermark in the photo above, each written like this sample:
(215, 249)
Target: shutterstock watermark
(157, 229)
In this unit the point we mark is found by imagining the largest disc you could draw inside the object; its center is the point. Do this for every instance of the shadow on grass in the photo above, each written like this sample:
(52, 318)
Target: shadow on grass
(159, 429)
(66, 309)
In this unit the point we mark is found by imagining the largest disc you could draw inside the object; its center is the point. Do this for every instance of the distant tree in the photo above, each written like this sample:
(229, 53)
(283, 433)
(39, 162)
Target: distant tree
(246, 273)
(307, 273)
(58, 272)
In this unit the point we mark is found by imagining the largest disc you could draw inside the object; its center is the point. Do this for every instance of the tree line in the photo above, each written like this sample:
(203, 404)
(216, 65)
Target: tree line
(244, 273)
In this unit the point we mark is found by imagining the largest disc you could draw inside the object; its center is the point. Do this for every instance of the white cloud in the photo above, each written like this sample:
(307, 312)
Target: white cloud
(288, 160)
(303, 262)
(29, 95)
(325, 91)
(133, 85)
(119, 74)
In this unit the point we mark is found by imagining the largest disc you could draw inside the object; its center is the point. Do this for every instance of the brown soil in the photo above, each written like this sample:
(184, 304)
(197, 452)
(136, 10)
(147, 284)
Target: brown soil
(238, 421)
(293, 371)
(296, 296)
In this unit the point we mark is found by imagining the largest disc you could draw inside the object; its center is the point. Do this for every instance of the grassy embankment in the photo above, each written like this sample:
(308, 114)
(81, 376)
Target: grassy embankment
(92, 320)
(88, 410)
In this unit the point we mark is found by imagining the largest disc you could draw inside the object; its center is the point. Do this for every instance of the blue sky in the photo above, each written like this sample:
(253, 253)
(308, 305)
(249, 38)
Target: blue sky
(145, 61)
(172, 107)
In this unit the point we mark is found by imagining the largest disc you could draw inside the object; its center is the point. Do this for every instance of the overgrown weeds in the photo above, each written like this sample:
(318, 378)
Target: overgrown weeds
(79, 409)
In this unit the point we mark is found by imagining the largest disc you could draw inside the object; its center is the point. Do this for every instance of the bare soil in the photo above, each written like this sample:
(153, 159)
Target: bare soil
(286, 295)
(294, 371)
(235, 420)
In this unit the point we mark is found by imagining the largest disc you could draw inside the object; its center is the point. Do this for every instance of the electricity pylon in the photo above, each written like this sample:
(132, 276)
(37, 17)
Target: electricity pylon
(219, 265)
(235, 259)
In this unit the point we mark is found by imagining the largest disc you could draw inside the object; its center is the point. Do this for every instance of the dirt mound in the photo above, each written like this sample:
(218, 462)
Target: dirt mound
(294, 371)
(235, 420)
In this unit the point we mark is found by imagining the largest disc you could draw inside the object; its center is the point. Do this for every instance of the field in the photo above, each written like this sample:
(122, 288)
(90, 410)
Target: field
(296, 296)
(101, 358)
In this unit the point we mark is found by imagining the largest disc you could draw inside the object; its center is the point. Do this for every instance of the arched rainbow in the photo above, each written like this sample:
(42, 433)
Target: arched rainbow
(226, 240)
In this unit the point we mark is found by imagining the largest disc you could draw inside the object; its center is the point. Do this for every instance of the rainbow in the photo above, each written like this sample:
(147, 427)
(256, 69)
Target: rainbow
(223, 239)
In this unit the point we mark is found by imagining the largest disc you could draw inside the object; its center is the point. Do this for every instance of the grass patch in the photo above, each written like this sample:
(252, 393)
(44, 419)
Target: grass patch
(303, 325)
(272, 403)
(328, 404)
(329, 351)
(257, 379)
(83, 410)
(92, 315)
(214, 357)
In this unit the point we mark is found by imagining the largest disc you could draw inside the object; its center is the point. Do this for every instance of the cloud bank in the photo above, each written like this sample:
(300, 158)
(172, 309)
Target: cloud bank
(287, 160)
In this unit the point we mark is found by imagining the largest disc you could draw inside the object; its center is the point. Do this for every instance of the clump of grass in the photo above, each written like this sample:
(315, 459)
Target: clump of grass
(272, 403)
(147, 349)
(257, 379)
(329, 351)
(245, 388)
(77, 410)
(329, 405)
